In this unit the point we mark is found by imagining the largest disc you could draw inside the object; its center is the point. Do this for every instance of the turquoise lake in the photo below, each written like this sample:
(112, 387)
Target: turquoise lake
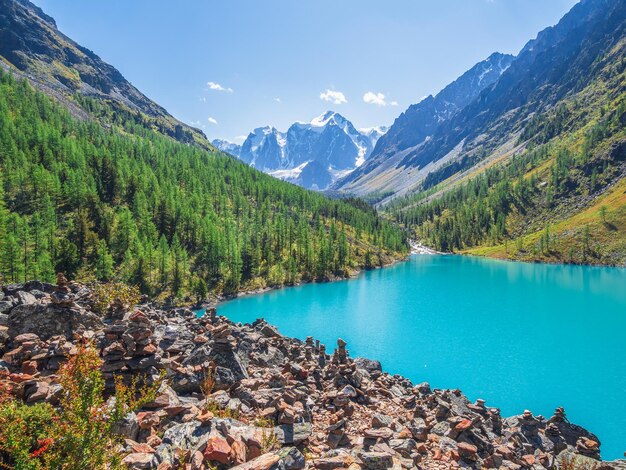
(517, 335)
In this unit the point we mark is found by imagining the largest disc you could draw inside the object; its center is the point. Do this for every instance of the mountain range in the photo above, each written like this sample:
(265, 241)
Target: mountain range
(533, 166)
(311, 154)
(481, 114)
(415, 126)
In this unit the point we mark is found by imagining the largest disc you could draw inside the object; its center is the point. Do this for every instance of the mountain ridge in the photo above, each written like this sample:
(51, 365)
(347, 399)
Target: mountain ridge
(533, 168)
(32, 47)
(330, 140)
(414, 126)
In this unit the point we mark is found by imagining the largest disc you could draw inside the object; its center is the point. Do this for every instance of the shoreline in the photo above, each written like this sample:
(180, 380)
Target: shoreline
(416, 250)
(326, 410)
(220, 298)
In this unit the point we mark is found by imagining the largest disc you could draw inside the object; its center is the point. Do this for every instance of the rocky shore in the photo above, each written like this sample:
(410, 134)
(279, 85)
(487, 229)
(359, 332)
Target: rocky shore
(246, 397)
(417, 248)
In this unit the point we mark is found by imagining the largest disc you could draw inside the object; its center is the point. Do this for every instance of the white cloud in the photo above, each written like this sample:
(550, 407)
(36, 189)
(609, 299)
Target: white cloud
(277, 100)
(212, 120)
(394, 103)
(336, 97)
(203, 99)
(240, 139)
(374, 98)
(217, 87)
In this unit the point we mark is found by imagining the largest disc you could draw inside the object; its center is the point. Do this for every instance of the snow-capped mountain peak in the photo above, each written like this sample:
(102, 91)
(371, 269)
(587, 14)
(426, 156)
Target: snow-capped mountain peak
(329, 118)
(330, 140)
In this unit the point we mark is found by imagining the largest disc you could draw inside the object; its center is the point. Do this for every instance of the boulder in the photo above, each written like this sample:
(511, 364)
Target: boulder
(293, 433)
(140, 461)
(376, 460)
(371, 366)
(291, 458)
(127, 427)
(217, 450)
(380, 420)
(25, 298)
(47, 321)
(263, 462)
(5, 306)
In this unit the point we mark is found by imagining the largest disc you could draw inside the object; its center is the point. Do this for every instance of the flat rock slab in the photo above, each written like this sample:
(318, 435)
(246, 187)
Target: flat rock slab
(293, 433)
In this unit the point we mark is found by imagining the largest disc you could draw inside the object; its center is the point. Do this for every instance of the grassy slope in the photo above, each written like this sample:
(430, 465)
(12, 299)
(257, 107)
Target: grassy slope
(607, 237)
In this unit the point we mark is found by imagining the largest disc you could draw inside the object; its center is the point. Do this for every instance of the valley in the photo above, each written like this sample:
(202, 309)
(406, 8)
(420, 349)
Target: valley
(172, 299)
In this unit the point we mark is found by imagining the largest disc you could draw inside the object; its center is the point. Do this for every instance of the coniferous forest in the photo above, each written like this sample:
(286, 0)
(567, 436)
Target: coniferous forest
(112, 199)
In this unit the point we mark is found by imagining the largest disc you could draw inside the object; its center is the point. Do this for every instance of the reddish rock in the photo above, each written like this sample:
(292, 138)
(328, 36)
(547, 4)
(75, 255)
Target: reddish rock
(29, 367)
(217, 450)
(143, 448)
(197, 461)
(148, 419)
(205, 417)
(528, 460)
(264, 462)
(149, 349)
(467, 451)
(590, 443)
(463, 425)
(238, 452)
(19, 378)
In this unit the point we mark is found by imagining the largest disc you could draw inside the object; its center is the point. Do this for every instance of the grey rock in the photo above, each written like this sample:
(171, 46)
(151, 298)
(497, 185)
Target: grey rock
(419, 429)
(180, 436)
(291, 458)
(26, 298)
(380, 420)
(140, 363)
(5, 306)
(49, 320)
(348, 391)
(127, 427)
(369, 365)
(403, 446)
(293, 433)
(12, 289)
(376, 460)
(38, 294)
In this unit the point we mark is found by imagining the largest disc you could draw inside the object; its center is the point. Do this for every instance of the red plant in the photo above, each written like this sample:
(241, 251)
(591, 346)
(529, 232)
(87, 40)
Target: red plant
(43, 444)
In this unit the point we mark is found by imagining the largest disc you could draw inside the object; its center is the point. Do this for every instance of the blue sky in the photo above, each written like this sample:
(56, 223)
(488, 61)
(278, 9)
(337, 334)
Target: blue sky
(232, 65)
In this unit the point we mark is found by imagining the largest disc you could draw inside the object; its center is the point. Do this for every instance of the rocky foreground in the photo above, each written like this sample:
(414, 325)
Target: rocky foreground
(273, 402)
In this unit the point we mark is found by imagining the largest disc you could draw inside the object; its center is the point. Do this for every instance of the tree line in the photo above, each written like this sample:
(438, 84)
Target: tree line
(120, 201)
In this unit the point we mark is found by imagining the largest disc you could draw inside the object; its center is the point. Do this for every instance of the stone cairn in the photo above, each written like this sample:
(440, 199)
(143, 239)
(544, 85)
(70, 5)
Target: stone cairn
(274, 398)
(341, 354)
(62, 295)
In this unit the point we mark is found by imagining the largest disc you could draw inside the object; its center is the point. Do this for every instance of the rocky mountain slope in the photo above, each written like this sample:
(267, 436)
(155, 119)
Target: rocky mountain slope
(382, 172)
(272, 402)
(535, 166)
(559, 62)
(312, 154)
(31, 46)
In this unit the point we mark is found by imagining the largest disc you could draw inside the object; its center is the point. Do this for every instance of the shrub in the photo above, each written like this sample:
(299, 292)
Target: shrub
(24, 434)
(79, 435)
(114, 294)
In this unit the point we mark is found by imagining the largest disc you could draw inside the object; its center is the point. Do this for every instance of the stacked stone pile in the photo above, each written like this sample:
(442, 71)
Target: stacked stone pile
(274, 402)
